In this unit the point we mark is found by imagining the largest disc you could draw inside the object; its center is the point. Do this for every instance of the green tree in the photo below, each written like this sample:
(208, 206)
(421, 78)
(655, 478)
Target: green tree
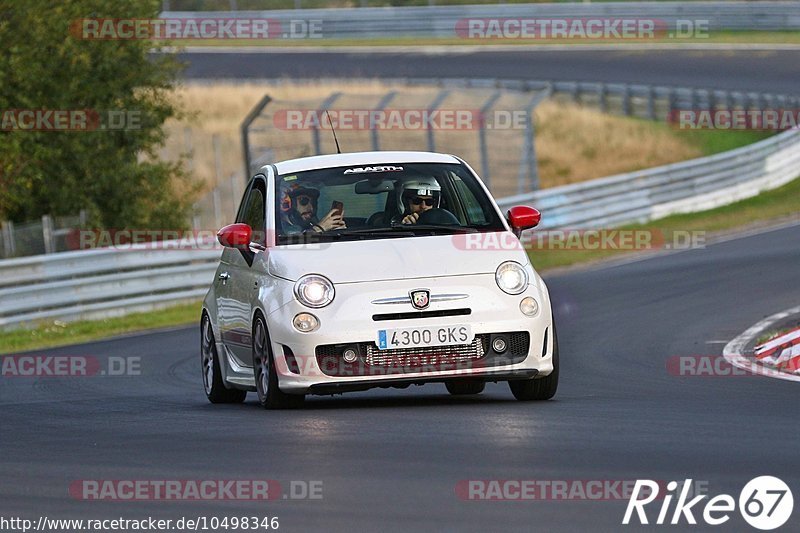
(115, 175)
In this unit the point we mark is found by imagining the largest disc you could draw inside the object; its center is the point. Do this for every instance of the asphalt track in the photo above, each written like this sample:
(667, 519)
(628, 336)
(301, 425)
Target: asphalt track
(773, 71)
(391, 460)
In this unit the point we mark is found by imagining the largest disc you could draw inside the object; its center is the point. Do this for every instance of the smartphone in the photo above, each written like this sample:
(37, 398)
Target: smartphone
(337, 206)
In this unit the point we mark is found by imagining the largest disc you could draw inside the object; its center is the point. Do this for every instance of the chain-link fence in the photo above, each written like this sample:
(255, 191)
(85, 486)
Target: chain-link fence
(492, 127)
(49, 235)
(496, 135)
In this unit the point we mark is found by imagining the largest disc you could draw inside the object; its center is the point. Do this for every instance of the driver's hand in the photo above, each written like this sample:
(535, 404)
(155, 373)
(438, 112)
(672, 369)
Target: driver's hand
(411, 219)
(333, 220)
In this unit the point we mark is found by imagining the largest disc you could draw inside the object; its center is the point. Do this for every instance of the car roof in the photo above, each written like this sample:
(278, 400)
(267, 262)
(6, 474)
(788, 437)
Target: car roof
(361, 159)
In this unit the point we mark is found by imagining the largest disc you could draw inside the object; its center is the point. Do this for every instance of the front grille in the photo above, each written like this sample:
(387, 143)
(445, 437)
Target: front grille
(372, 361)
(421, 314)
(425, 356)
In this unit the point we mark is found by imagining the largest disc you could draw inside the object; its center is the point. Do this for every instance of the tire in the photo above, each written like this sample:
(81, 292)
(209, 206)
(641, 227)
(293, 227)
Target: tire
(538, 389)
(269, 395)
(216, 391)
(463, 387)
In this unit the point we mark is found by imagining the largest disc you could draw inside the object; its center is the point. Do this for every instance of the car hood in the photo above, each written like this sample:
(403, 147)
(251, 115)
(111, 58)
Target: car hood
(397, 258)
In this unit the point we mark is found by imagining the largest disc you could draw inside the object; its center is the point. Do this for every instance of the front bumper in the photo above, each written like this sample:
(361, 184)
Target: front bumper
(349, 321)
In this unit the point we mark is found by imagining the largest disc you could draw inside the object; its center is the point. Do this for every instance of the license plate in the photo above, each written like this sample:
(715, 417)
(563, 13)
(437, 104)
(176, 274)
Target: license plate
(389, 339)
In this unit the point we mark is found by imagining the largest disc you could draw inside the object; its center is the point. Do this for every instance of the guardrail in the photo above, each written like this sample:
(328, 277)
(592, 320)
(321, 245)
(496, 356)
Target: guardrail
(448, 21)
(106, 282)
(99, 283)
(684, 187)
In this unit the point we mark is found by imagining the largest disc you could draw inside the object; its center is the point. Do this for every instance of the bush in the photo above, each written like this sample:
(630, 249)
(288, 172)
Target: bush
(114, 175)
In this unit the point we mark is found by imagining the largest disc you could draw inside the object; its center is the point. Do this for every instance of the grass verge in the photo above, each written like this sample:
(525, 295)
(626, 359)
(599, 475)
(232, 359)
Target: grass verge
(773, 334)
(59, 333)
(771, 205)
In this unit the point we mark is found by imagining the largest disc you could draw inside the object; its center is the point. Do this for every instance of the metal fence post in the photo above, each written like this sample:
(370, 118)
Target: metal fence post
(47, 234)
(651, 103)
(482, 136)
(314, 130)
(217, 159)
(670, 101)
(437, 101)
(235, 195)
(217, 208)
(195, 218)
(384, 101)
(245, 131)
(602, 94)
(528, 166)
(9, 246)
(726, 100)
(626, 100)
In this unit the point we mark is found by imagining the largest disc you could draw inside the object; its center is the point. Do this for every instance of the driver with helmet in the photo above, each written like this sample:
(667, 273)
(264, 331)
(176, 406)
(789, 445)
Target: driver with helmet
(415, 196)
(299, 211)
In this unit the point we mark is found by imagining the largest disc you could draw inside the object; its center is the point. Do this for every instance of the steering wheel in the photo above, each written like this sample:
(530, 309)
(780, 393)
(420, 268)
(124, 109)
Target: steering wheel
(438, 216)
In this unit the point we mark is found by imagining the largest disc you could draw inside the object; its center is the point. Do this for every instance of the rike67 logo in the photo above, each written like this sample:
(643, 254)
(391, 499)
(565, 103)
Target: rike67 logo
(765, 503)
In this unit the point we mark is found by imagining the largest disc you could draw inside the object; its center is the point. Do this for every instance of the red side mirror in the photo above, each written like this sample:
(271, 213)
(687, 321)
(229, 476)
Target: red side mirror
(235, 236)
(522, 217)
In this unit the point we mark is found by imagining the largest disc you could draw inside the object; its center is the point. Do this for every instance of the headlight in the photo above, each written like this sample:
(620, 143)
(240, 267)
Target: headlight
(511, 277)
(314, 291)
(305, 322)
(529, 306)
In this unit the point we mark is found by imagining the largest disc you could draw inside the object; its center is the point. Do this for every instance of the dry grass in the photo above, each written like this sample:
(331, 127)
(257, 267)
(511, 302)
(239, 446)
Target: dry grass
(575, 144)
(572, 143)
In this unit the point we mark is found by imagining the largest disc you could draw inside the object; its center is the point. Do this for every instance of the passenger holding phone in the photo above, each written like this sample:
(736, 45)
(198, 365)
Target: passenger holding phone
(299, 211)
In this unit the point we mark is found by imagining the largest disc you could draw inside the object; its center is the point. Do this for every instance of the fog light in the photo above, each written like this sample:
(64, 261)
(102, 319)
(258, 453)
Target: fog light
(499, 345)
(529, 306)
(349, 355)
(305, 322)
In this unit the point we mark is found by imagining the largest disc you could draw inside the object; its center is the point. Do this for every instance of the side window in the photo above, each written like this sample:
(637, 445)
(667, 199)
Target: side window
(240, 211)
(473, 207)
(253, 213)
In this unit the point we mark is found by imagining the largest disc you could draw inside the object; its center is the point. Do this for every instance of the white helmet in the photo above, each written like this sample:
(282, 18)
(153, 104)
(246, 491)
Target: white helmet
(408, 187)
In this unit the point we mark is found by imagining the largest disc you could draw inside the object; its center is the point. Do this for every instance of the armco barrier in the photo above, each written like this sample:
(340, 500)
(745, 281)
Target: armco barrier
(105, 282)
(440, 21)
(101, 283)
(684, 187)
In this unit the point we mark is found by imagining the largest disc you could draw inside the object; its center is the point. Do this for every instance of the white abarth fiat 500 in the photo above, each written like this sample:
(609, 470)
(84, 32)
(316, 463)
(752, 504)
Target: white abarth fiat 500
(378, 269)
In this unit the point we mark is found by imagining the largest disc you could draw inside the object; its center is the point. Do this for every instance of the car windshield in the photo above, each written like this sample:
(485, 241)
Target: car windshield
(381, 201)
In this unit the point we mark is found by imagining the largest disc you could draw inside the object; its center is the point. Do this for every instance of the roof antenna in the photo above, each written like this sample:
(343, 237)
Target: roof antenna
(338, 151)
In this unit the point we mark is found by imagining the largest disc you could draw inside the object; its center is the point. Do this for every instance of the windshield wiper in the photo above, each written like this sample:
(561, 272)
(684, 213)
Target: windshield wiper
(448, 227)
(370, 232)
